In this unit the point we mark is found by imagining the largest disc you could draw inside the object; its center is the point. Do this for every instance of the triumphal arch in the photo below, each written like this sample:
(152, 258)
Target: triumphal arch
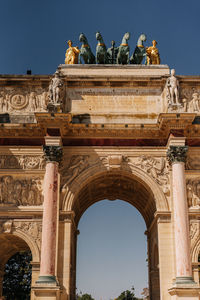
(94, 132)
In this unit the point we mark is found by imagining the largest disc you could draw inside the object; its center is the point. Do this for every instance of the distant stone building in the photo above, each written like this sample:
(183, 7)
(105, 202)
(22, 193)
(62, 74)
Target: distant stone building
(94, 132)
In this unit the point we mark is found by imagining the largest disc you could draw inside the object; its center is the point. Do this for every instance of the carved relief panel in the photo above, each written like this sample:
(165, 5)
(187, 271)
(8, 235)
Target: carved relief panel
(18, 191)
(193, 193)
(156, 167)
(14, 100)
(22, 162)
(31, 228)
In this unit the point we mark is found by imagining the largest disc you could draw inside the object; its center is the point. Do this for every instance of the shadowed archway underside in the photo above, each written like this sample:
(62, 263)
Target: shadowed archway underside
(10, 245)
(112, 186)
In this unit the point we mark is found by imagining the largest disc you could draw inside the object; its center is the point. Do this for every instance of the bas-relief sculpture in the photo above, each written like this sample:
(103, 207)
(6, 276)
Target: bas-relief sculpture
(33, 229)
(18, 191)
(156, 167)
(22, 162)
(77, 164)
(14, 100)
(193, 193)
(193, 162)
(184, 100)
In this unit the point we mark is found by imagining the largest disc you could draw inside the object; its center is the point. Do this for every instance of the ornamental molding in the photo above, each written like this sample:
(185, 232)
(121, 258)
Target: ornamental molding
(20, 191)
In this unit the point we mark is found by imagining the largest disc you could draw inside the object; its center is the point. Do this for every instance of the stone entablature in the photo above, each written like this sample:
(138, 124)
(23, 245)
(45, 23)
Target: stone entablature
(114, 126)
(101, 95)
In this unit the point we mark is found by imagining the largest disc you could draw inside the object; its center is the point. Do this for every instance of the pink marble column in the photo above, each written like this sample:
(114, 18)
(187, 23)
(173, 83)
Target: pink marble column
(177, 157)
(49, 223)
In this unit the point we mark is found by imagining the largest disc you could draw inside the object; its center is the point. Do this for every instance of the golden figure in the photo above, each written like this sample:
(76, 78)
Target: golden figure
(153, 56)
(71, 55)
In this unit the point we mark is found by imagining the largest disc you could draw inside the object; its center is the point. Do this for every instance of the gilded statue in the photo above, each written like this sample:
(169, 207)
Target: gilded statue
(153, 56)
(71, 55)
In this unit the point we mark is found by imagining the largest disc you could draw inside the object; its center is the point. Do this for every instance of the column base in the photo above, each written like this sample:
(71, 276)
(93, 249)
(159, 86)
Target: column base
(46, 288)
(184, 280)
(185, 291)
(49, 279)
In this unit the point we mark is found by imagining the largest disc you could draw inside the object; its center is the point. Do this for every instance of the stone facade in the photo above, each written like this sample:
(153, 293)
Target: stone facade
(109, 132)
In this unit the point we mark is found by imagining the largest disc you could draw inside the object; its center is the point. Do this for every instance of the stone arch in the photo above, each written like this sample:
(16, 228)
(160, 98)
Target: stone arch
(12, 242)
(30, 242)
(131, 174)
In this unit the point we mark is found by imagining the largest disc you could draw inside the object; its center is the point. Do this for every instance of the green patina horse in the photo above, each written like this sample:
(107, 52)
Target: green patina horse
(123, 53)
(101, 50)
(140, 51)
(85, 51)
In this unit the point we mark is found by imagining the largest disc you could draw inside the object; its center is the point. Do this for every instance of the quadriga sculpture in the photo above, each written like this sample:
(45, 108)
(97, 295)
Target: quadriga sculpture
(101, 50)
(85, 51)
(112, 53)
(140, 51)
(123, 53)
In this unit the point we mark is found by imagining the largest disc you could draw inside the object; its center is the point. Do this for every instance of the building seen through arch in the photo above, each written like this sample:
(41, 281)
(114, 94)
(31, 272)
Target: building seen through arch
(94, 132)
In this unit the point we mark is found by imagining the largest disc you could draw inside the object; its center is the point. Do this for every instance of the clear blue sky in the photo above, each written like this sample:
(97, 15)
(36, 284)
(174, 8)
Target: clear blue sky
(112, 250)
(34, 32)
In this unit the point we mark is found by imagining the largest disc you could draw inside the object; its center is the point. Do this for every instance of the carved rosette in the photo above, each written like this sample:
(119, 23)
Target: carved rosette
(177, 154)
(53, 153)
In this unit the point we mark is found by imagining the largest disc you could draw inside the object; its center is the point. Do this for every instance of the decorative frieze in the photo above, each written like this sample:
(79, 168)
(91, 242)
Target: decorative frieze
(53, 153)
(13, 100)
(22, 162)
(177, 154)
(17, 191)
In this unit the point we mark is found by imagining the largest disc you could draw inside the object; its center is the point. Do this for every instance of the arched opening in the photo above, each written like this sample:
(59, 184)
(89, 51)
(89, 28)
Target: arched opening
(112, 250)
(11, 251)
(137, 189)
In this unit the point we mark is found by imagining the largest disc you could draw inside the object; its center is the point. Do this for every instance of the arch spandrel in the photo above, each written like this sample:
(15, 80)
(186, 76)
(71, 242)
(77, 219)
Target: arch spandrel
(115, 183)
(12, 231)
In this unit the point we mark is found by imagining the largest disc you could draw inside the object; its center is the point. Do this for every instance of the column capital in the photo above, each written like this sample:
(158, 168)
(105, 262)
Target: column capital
(177, 154)
(53, 153)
